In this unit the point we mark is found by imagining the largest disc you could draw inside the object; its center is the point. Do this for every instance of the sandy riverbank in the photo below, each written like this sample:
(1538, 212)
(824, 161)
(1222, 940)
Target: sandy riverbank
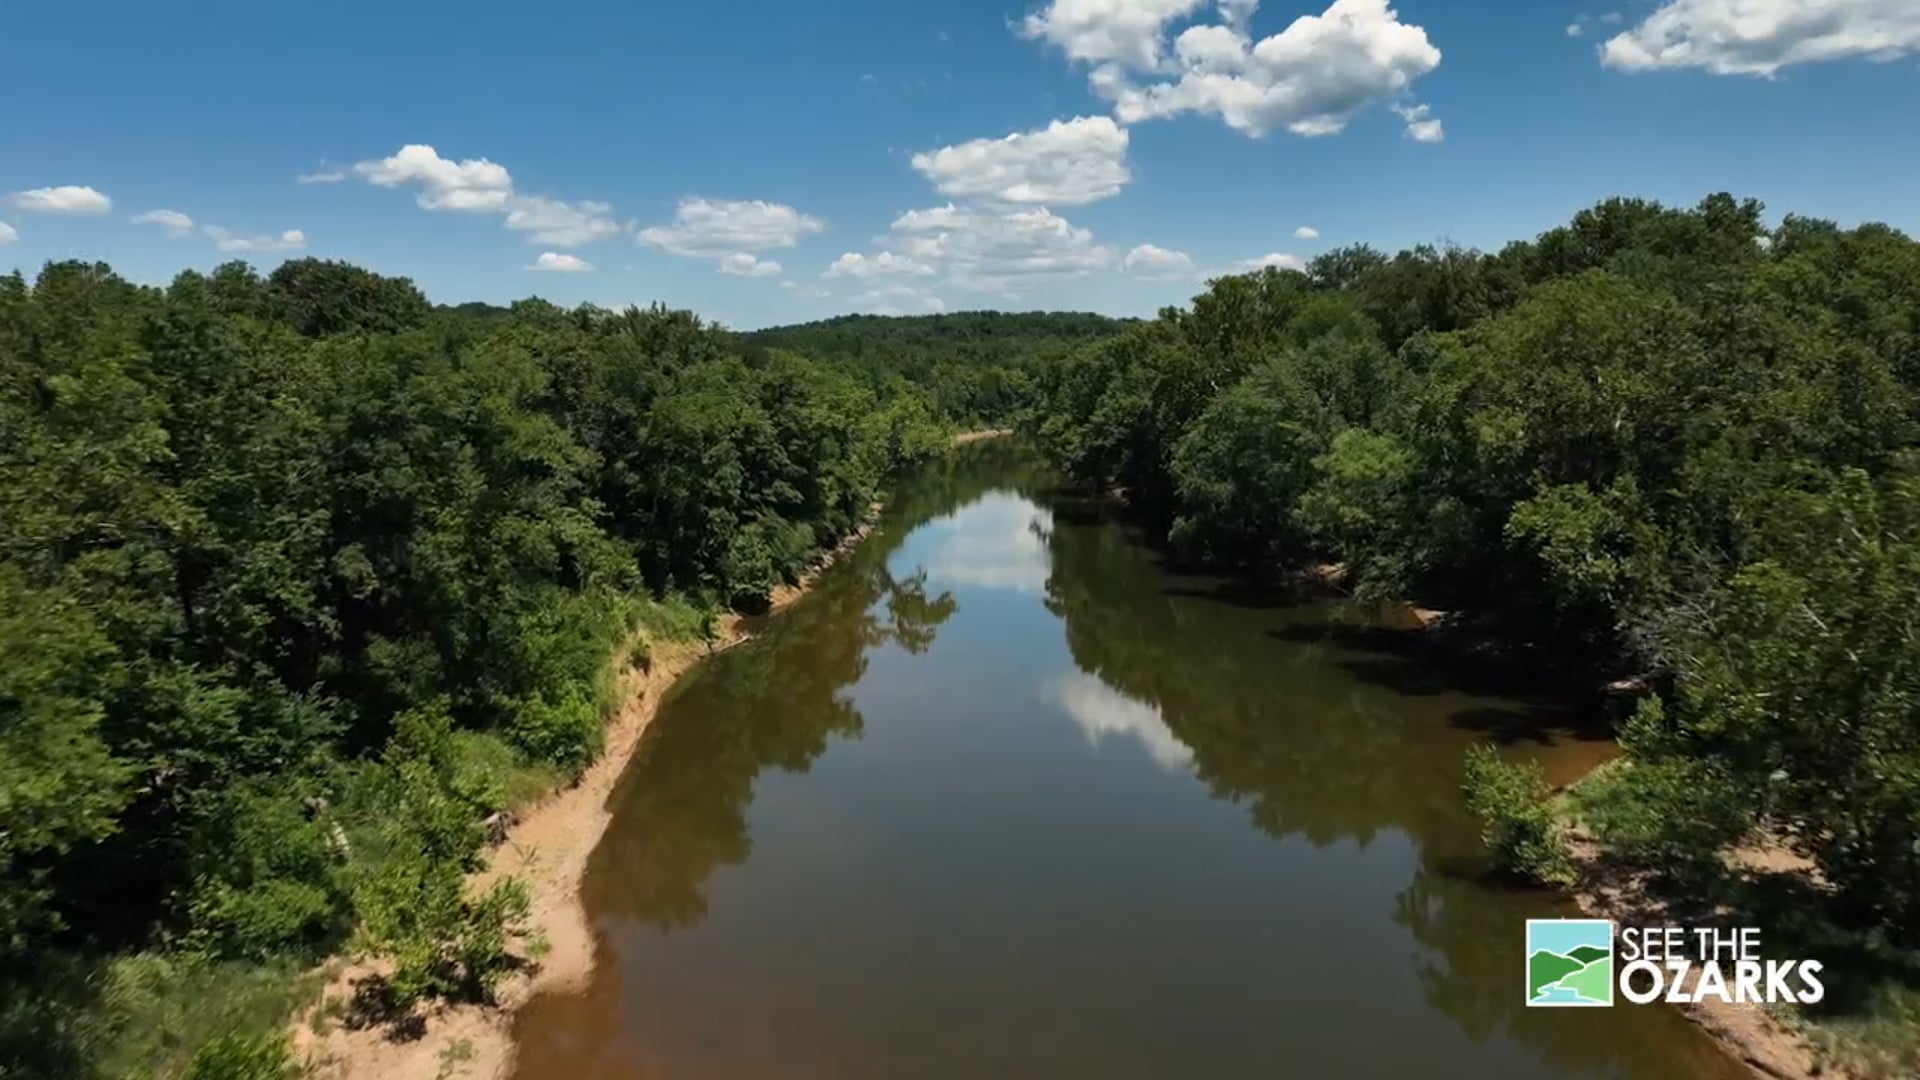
(1765, 1041)
(975, 436)
(547, 847)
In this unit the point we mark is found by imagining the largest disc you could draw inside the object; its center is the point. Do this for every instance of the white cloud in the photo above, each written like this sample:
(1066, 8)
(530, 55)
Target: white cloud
(885, 264)
(228, 240)
(717, 227)
(1306, 232)
(325, 176)
(1102, 713)
(1124, 32)
(899, 300)
(989, 249)
(1759, 37)
(561, 223)
(561, 264)
(1211, 49)
(808, 290)
(473, 184)
(67, 199)
(7, 235)
(174, 222)
(1066, 163)
(1237, 12)
(1421, 125)
(1275, 260)
(1310, 78)
(741, 264)
(482, 186)
(1149, 261)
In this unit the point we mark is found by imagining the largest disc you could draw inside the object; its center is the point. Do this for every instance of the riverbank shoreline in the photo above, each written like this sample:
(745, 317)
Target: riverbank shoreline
(1767, 1043)
(547, 846)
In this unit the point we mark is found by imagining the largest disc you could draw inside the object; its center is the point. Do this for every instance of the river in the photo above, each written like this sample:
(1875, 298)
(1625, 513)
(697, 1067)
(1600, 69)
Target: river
(1003, 798)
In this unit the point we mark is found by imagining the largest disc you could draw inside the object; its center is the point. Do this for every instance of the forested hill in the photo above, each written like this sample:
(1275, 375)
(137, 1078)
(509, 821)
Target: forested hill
(973, 362)
(977, 336)
(300, 576)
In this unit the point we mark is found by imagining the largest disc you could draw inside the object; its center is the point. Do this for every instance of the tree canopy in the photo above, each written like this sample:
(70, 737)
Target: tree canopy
(289, 564)
(1674, 442)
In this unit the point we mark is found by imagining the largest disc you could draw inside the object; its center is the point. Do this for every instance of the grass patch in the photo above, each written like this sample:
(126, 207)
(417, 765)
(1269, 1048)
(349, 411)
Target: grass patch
(148, 1016)
(674, 618)
(512, 779)
(164, 1010)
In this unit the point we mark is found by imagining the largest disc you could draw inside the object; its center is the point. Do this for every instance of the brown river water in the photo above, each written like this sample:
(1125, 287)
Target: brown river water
(1004, 798)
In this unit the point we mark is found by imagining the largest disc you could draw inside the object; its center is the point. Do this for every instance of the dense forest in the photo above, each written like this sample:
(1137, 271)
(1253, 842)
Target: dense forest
(972, 364)
(301, 579)
(1676, 445)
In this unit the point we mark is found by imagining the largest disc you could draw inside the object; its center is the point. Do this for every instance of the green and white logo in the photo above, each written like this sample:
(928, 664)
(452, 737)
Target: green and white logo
(1569, 963)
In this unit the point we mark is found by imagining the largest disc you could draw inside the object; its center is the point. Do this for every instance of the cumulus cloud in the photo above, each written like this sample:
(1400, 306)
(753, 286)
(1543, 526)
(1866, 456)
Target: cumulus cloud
(1759, 37)
(174, 222)
(1421, 125)
(559, 263)
(481, 186)
(1122, 32)
(324, 176)
(899, 300)
(1310, 79)
(472, 184)
(741, 264)
(228, 240)
(716, 227)
(1148, 261)
(561, 223)
(7, 235)
(885, 264)
(1066, 163)
(1275, 261)
(67, 199)
(1306, 232)
(995, 249)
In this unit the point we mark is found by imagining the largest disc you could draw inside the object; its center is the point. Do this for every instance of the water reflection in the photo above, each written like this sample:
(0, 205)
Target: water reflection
(979, 806)
(682, 803)
(1103, 712)
(996, 542)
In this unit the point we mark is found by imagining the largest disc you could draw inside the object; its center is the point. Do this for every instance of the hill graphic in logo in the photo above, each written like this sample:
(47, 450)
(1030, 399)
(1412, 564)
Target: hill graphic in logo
(1569, 962)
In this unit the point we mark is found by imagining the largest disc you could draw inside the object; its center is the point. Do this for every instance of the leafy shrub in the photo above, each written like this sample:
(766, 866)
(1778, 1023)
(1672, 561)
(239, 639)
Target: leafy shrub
(566, 732)
(1517, 820)
(412, 896)
(269, 877)
(1673, 814)
(748, 571)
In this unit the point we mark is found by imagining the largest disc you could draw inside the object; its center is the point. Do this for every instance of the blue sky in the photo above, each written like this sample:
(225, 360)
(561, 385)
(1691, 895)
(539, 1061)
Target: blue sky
(766, 162)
